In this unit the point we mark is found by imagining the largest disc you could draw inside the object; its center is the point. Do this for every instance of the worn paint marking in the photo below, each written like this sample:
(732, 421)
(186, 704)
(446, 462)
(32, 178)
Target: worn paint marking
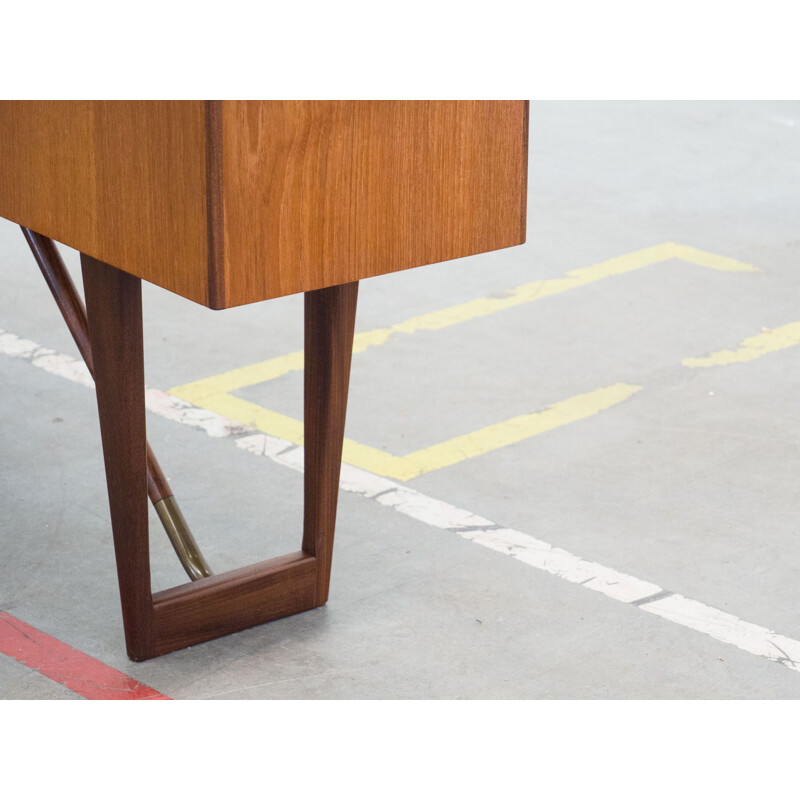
(198, 391)
(751, 348)
(527, 549)
(79, 672)
(214, 393)
(444, 454)
(727, 628)
(518, 428)
(480, 530)
(534, 552)
(242, 416)
(73, 369)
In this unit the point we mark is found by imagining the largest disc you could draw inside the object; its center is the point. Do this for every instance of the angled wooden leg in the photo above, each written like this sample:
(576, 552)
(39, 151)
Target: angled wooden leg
(330, 320)
(72, 309)
(220, 604)
(114, 310)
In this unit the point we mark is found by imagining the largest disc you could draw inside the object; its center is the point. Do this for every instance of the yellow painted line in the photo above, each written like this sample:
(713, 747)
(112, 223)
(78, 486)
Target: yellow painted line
(256, 416)
(439, 455)
(517, 428)
(705, 259)
(198, 392)
(214, 393)
(751, 348)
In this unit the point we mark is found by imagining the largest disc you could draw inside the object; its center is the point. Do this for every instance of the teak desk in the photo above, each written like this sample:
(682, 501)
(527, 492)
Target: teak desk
(233, 202)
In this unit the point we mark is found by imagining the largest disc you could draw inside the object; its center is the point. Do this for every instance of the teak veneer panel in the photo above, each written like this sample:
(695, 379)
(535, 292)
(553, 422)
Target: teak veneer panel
(344, 190)
(231, 202)
(122, 181)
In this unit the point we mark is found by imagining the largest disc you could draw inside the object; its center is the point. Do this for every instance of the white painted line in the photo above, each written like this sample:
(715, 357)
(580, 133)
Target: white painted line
(46, 359)
(160, 403)
(648, 596)
(729, 629)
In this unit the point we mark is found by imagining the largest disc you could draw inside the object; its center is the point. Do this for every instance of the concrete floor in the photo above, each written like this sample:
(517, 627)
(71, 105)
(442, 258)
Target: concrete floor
(691, 484)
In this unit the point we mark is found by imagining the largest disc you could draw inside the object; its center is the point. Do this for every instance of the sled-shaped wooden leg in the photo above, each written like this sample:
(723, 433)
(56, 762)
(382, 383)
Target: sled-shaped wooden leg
(220, 604)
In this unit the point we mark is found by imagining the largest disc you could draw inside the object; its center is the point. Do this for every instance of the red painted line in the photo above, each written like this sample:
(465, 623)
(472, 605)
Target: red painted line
(82, 674)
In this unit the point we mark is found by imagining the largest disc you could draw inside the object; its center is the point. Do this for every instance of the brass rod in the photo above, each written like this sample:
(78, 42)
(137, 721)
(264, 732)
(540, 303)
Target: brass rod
(72, 309)
(183, 542)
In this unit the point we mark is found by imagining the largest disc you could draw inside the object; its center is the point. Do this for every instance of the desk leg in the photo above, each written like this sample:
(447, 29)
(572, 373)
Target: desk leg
(114, 310)
(220, 604)
(330, 320)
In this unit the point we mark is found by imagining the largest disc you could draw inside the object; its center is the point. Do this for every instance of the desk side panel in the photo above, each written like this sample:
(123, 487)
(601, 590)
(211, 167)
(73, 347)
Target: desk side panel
(123, 181)
(318, 193)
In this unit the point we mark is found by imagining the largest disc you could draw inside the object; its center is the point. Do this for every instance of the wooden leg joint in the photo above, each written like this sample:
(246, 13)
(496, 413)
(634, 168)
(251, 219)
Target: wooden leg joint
(211, 607)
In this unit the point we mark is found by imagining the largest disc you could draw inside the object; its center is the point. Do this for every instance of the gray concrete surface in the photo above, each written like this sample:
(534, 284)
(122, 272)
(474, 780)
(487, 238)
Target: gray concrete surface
(690, 484)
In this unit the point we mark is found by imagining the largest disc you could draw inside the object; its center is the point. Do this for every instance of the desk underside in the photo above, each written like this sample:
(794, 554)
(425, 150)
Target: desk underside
(232, 202)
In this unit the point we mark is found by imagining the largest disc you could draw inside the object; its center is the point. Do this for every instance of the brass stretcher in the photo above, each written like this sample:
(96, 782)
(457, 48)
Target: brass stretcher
(158, 489)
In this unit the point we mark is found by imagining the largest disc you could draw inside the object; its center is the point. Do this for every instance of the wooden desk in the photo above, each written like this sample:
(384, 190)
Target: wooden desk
(233, 202)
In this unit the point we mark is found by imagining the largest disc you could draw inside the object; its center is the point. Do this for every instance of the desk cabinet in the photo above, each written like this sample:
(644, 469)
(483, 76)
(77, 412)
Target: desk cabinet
(233, 202)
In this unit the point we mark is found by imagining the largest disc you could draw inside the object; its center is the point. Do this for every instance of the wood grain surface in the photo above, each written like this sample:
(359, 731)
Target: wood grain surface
(330, 316)
(122, 181)
(232, 202)
(114, 311)
(222, 604)
(342, 190)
